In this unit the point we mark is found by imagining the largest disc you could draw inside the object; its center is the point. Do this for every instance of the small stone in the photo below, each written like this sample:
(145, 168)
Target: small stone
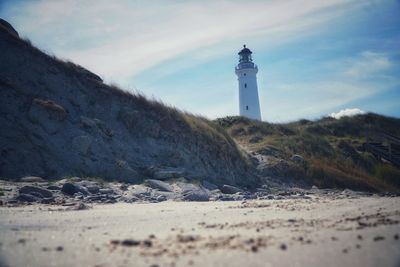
(160, 185)
(396, 237)
(106, 191)
(32, 179)
(254, 248)
(283, 247)
(147, 243)
(53, 188)
(334, 238)
(93, 189)
(345, 250)
(358, 246)
(130, 242)
(123, 187)
(115, 242)
(359, 237)
(229, 189)
(378, 238)
(187, 238)
(81, 206)
(59, 248)
(47, 200)
(71, 189)
(152, 236)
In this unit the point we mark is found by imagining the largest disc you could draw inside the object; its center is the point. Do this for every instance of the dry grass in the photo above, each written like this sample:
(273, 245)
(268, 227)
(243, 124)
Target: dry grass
(330, 147)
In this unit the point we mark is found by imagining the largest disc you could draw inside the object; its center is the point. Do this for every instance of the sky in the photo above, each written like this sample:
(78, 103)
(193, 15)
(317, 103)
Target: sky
(314, 57)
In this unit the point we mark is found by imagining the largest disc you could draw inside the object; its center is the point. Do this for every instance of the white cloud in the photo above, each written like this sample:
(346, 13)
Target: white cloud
(366, 64)
(348, 112)
(119, 39)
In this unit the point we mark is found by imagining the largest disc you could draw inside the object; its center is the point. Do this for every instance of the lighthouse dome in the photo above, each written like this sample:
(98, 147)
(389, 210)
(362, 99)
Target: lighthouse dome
(245, 50)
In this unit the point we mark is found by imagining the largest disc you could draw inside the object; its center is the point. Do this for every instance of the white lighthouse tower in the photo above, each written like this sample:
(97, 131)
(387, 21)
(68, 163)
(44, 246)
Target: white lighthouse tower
(246, 70)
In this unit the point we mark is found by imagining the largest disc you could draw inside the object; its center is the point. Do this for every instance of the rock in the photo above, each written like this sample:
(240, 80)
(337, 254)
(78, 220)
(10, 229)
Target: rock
(130, 242)
(47, 200)
(123, 187)
(106, 191)
(93, 198)
(27, 198)
(37, 191)
(198, 195)
(93, 189)
(161, 198)
(229, 189)
(54, 187)
(160, 185)
(141, 191)
(192, 192)
(81, 206)
(75, 179)
(297, 158)
(208, 185)
(71, 189)
(32, 179)
(166, 195)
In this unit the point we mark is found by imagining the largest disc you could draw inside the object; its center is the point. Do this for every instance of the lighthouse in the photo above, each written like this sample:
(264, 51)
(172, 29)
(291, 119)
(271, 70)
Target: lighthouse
(246, 70)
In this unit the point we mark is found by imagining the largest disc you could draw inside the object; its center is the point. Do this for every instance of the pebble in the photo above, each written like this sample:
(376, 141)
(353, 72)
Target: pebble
(379, 238)
(283, 247)
(147, 243)
(130, 242)
(115, 242)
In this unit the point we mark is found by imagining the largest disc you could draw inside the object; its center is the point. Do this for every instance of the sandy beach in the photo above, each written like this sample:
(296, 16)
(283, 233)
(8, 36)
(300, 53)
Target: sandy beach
(320, 231)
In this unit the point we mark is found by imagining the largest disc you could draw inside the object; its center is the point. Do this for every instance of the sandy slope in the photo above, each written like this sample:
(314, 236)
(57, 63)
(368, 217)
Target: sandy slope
(322, 231)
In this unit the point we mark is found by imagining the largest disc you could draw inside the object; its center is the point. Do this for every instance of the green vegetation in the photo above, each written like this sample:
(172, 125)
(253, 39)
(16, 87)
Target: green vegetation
(333, 151)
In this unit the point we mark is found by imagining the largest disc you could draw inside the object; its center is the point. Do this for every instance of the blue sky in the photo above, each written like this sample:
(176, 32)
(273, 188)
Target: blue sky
(314, 57)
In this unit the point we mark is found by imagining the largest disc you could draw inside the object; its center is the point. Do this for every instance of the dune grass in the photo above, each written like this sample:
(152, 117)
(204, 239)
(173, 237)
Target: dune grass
(332, 149)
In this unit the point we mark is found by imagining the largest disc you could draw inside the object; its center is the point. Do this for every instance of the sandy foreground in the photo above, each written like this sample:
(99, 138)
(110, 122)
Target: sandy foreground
(320, 231)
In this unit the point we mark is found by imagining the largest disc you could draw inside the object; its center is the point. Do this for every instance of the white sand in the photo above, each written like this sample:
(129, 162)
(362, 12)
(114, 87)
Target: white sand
(206, 234)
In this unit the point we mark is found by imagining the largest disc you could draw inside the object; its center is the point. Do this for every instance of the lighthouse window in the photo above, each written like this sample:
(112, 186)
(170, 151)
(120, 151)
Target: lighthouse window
(247, 107)
(245, 85)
